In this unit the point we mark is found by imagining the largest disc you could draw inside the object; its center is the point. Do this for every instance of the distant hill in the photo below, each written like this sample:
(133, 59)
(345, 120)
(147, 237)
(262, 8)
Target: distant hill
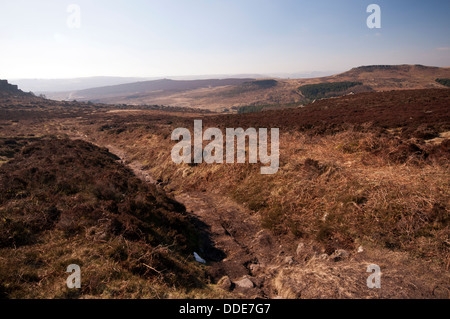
(393, 77)
(63, 85)
(158, 85)
(230, 94)
(53, 86)
(128, 92)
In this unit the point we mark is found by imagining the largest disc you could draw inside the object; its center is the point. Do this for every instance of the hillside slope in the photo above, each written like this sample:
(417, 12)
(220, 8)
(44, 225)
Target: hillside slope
(363, 180)
(137, 90)
(228, 94)
(68, 202)
(396, 77)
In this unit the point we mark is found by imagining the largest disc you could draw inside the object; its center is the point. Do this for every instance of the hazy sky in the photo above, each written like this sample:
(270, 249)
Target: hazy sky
(190, 37)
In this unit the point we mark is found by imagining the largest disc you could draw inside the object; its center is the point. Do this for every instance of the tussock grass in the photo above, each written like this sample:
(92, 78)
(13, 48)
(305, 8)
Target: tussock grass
(338, 189)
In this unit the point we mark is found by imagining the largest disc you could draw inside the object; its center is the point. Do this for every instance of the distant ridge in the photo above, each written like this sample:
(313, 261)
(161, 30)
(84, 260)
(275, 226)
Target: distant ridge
(396, 77)
(402, 68)
(164, 84)
(233, 93)
(137, 89)
(63, 85)
(393, 67)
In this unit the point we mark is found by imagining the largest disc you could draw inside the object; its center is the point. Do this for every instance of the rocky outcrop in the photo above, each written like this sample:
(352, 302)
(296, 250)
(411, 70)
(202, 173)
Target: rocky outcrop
(5, 86)
(10, 90)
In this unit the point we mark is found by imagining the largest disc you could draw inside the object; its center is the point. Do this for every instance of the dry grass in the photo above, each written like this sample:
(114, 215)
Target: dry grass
(338, 189)
(383, 186)
(401, 277)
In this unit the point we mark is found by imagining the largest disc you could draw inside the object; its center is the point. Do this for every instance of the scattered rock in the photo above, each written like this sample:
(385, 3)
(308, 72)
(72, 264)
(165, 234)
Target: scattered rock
(254, 268)
(289, 260)
(300, 249)
(339, 255)
(360, 249)
(245, 283)
(287, 287)
(225, 283)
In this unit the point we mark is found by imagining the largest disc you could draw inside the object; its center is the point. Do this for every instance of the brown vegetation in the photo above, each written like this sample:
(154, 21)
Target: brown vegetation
(355, 160)
(65, 202)
(366, 172)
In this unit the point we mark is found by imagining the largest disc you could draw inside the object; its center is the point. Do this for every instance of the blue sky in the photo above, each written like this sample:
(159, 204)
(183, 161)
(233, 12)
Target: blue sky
(198, 37)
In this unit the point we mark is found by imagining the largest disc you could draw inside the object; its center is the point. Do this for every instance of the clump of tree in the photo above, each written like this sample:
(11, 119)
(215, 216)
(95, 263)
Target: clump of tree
(445, 82)
(265, 84)
(324, 90)
(252, 86)
(250, 109)
(265, 107)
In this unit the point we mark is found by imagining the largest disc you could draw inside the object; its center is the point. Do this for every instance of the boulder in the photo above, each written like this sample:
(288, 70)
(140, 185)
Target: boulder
(245, 283)
(225, 283)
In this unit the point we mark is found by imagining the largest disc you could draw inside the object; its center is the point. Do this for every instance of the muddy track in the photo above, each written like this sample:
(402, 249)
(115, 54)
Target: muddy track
(252, 263)
(232, 240)
(248, 251)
